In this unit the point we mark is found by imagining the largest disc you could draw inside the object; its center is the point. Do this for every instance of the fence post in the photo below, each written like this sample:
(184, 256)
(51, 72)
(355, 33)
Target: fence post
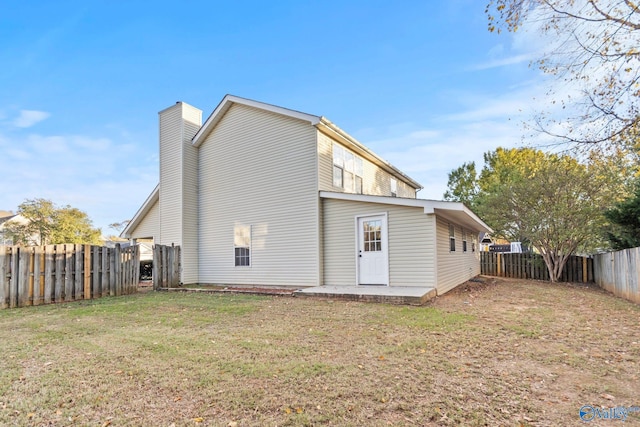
(5, 260)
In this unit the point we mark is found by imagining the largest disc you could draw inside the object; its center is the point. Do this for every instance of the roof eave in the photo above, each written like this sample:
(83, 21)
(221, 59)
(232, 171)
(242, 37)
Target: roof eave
(454, 210)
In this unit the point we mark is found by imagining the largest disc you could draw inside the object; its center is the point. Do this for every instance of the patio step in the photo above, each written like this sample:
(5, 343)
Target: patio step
(410, 295)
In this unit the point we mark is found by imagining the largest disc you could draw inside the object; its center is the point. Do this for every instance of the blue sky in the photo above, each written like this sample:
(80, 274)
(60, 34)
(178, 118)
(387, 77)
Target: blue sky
(423, 84)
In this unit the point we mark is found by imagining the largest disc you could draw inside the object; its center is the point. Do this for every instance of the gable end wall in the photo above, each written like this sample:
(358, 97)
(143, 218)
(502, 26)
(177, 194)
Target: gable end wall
(259, 168)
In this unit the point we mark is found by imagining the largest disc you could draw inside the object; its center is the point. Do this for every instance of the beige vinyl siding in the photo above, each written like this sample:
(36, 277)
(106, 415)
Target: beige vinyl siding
(375, 182)
(171, 176)
(405, 190)
(149, 226)
(178, 184)
(259, 169)
(455, 268)
(411, 242)
(325, 163)
(190, 210)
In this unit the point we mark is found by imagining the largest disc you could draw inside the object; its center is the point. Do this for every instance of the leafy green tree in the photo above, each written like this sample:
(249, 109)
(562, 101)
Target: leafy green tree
(504, 167)
(555, 204)
(594, 46)
(463, 185)
(48, 224)
(624, 230)
(551, 202)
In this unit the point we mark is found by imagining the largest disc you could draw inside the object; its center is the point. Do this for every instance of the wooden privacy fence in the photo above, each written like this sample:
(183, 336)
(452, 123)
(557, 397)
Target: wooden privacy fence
(166, 266)
(532, 266)
(35, 275)
(617, 272)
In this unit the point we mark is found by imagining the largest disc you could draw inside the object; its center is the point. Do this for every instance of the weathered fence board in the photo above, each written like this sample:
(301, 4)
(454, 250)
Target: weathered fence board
(36, 280)
(56, 273)
(4, 283)
(49, 274)
(618, 273)
(532, 266)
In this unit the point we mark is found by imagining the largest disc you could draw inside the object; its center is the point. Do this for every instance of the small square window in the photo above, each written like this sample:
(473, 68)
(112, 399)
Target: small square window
(242, 245)
(464, 241)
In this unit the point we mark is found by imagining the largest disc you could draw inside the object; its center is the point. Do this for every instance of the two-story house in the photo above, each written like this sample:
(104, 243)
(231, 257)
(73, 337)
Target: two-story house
(262, 195)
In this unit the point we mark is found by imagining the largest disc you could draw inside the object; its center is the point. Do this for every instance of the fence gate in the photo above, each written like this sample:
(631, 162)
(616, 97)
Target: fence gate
(166, 266)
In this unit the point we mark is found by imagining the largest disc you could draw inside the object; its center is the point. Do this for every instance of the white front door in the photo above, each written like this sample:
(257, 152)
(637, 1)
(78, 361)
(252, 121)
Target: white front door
(373, 263)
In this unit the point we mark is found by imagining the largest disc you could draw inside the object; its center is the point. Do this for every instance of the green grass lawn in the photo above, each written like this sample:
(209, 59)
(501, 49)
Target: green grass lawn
(501, 353)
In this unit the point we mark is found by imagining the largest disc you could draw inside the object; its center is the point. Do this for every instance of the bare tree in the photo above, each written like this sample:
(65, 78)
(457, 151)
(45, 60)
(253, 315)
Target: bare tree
(596, 47)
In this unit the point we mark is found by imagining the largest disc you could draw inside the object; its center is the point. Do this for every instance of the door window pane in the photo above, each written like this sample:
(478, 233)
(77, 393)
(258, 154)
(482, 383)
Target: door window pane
(372, 235)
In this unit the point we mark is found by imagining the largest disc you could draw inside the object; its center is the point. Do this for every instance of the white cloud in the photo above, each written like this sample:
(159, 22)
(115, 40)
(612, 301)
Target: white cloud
(106, 180)
(484, 121)
(502, 62)
(28, 118)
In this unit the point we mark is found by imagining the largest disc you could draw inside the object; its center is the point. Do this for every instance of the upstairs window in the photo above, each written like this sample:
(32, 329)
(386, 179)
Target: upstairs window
(393, 183)
(452, 238)
(464, 241)
(242, 245)
(347, 170)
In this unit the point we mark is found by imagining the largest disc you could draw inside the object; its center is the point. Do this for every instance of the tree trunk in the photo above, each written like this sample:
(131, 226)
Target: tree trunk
(555, 264)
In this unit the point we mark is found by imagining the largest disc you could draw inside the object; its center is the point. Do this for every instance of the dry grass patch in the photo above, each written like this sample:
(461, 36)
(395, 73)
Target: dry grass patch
(495, 353)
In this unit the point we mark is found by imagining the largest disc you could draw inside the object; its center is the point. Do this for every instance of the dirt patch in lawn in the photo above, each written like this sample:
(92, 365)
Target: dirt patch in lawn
(495, 352)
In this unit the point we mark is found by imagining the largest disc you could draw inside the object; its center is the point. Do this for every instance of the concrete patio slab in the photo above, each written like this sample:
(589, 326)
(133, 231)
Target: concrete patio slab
(386, 294)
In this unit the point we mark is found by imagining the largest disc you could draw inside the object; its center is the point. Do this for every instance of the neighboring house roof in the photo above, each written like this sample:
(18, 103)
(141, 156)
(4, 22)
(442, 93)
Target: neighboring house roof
(4, 219)
(454, 211)
(15, 217)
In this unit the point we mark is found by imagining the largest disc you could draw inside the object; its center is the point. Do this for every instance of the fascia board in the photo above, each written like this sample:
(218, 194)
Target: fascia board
(429, 206)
